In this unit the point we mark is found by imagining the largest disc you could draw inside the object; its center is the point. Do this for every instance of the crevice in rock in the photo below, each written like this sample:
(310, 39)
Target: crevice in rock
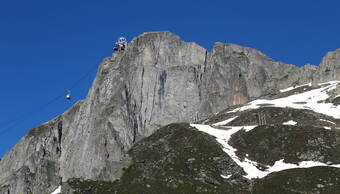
(60, 131)
(141, 88)
(205, 61)
(131, 108)
(158, 50)
(161, 90)
(60, 135)
(141, 100)
(153, 98)
(44, 152)
(127, 99)
(107, 155)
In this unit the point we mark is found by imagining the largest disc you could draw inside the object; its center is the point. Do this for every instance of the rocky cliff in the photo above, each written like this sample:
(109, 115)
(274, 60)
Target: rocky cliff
(159, 79)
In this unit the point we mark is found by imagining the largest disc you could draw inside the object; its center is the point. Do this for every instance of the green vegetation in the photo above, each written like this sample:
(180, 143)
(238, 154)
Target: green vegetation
(91, 187)
(277, 116)
(175, 159)
(336, 101)
(42, 128)
(37, 131)
(303, 180)
(222, 115)
(50, 164)
(267, 144)
(179, 159)
(297, 90)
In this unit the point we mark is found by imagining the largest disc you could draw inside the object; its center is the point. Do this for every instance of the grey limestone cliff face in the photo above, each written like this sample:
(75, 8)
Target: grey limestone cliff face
(159, 79)
(329, 68)
(33, 165)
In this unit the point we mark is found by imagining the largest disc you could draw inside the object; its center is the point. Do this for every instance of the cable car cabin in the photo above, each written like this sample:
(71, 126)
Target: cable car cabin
(121, 44)
(68, 95)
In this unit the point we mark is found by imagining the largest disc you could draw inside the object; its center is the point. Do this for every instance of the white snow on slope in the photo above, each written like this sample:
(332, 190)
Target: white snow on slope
(226, 177)
(328, 121)
(224, 122)
(291, 122)
(57, 191)
(249, 166)
(326, 83)
(294, 87)
(280, 165)
(309, 101)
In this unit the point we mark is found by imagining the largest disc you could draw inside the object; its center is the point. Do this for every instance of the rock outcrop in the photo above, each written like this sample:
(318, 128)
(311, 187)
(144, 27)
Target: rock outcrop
(166, 162)
(329, 68)
(159, 79)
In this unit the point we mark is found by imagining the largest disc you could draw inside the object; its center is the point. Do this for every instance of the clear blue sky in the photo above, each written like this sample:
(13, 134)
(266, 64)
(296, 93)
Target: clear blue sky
(45, 46)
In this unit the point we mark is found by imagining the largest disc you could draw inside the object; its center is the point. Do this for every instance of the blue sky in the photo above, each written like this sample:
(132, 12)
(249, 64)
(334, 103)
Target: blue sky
(46, 46)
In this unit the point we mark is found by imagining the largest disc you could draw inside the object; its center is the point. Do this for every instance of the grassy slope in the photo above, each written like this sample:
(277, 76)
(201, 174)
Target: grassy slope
(267, 144)
(176, 159)
(325, 180)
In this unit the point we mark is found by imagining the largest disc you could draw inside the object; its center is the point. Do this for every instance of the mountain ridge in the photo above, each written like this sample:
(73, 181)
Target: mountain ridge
(159, 79)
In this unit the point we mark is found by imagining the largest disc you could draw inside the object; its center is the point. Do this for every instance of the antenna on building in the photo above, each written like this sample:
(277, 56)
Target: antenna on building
(121, 44)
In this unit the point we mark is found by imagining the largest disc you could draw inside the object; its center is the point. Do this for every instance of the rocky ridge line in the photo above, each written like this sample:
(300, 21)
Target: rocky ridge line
(158, 80)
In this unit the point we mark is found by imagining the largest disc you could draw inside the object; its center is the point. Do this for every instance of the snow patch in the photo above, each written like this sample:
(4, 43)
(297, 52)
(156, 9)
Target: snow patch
(224, 122)
(226, 177)
(328, 128)
(313, 99)
(291, 122)
(328, 121)
(57, 191)
(249, 166)
(280, 165)
(294, 87)
(326, 83)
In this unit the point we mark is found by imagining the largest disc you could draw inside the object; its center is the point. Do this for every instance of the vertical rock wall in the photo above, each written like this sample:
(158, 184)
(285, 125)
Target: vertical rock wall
(159, 79)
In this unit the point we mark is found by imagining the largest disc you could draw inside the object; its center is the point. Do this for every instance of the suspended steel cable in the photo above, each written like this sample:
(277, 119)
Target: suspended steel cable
(76, 83)
(10, 124)
(25, 116)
